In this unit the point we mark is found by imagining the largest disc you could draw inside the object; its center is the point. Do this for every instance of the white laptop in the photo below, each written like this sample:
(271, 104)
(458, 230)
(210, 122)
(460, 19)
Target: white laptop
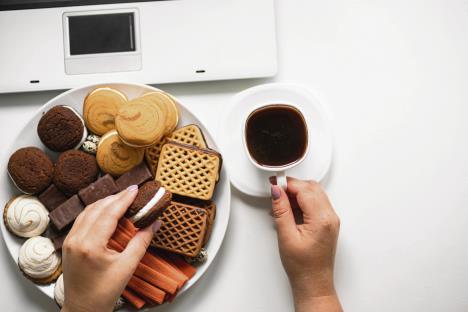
(58, 44)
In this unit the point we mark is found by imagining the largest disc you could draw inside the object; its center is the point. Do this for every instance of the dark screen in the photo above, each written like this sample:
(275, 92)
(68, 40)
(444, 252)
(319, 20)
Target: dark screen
(105, 33)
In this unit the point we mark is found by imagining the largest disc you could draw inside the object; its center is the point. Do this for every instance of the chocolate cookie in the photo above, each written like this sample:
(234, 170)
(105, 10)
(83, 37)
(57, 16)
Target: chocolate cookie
(75, 170)
(61, 129)
(149, 204)
(31, 170)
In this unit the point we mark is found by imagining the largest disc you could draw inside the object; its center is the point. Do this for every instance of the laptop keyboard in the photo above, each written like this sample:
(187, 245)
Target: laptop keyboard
(6, 5)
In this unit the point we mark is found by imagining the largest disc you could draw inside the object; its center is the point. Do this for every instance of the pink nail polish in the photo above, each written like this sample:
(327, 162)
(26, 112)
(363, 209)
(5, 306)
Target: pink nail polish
(275, 192)
(132, 188)
(156, 226)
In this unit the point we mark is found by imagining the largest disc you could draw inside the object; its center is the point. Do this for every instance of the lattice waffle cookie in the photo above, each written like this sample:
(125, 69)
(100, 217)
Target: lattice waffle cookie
(183, 229)
(190, 134)
(209, 206)
(188, 170)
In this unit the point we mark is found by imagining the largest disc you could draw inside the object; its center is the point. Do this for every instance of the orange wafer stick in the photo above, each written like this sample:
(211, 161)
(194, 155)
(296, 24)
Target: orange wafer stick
(157, 279)
(134, 300)
(180, 263)
(164, 267)
(147, 290)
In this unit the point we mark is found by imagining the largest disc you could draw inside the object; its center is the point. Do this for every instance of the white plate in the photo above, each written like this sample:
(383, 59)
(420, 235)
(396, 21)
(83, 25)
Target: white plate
(244, 175)
(74, 98)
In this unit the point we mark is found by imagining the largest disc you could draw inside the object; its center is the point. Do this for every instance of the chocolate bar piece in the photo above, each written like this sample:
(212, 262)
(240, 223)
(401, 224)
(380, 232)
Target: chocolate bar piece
(102, 188)
(138, 175)
(58, 241)
(52, 197)
(66, 213)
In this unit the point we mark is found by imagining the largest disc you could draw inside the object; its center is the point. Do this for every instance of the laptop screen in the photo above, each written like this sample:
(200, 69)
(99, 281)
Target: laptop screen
(6, 5)
(103, 33)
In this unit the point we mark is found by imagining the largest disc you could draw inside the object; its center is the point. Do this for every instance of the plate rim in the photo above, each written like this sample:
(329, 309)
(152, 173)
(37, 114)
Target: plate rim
(224, 171)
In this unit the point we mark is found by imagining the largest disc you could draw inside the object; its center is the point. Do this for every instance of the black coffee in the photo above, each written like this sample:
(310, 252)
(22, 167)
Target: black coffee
(276, 135)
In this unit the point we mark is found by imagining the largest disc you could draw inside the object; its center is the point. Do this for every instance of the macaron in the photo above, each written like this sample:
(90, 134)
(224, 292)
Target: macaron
(115, 157)
(167, 104)
(62, 128)
(25, 216)
(39, 261)
(75, 170)
(149, 204)
(30, 169)
(140, 123)
(100, 107)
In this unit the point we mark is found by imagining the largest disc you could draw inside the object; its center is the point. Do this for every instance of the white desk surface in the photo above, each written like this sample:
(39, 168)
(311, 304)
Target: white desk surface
(394, 74)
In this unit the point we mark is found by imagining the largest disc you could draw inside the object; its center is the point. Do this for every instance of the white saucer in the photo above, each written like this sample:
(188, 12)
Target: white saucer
(244, 175)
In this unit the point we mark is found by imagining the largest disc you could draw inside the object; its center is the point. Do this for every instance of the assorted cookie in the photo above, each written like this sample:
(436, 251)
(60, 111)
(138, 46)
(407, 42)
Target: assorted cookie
(30, 169)
(190, 134)
(140, 123)
(152, 199)
(117, 143)
(115, 157)
(188, 170)
(100, 108)
(39, 261)
(75, 170)
(61, 129)
(25, 216)
(183, 229)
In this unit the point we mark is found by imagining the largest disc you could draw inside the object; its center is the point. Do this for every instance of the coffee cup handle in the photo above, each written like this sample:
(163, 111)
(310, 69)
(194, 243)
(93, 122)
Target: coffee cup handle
(281, 180)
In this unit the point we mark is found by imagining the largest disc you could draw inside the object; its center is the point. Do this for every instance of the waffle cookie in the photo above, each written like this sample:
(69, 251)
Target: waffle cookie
(183, 229)
(188, 170)
(209, 206)
(190, 134)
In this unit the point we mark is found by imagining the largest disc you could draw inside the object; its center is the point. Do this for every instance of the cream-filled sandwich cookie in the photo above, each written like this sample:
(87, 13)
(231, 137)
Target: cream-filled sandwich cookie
(39, 261)
(140, 123)
(169, 108)
(115, 157)
(25, 216)
(100, 108)
(149, 203)
(62, 128)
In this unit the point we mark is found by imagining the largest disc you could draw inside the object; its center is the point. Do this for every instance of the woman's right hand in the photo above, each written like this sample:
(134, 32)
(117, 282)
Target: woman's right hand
(307, 249)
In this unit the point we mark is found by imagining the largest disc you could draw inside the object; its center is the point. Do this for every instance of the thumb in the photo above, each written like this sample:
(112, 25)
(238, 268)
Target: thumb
(138, 245)
(283, 214)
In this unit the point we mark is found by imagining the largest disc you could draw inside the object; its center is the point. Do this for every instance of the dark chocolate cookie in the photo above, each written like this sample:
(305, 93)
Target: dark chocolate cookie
(75, 170)
(31, 170)
(61, 129)
(145, 194)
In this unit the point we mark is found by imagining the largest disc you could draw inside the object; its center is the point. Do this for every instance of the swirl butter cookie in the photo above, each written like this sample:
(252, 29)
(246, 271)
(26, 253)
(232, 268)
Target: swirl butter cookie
(140, 123)
(115, 157)
(100, 107)
(169, 108)
(39, 261)
(25, 216)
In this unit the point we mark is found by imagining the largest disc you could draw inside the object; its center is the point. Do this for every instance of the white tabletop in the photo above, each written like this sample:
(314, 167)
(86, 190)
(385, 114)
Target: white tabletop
(394, 74)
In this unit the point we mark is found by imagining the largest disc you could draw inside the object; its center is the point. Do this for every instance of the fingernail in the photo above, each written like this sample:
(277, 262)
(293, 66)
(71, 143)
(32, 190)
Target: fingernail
(156, 226)
(132, 188)
(275, 192)
(272, 180)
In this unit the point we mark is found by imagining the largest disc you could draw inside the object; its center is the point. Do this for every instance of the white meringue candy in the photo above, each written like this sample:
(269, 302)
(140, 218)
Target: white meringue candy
(59, 293)
(26, 216)
(38, 259)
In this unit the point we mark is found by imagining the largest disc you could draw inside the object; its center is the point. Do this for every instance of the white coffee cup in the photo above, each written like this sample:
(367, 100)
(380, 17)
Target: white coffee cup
(280, 171)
